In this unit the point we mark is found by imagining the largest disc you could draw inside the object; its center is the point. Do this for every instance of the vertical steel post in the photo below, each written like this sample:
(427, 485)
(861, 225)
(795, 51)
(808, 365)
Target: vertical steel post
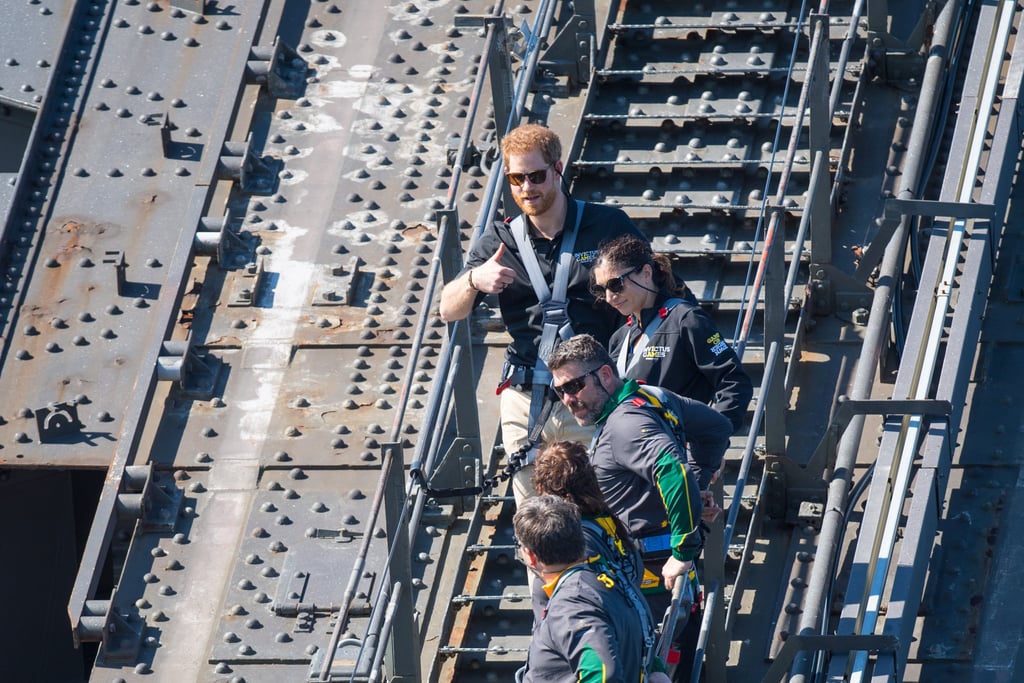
(878, 17)
(820, 127)
(467, 420)
(499, 70)
(775, 308)
(403, 646)
(717, 654)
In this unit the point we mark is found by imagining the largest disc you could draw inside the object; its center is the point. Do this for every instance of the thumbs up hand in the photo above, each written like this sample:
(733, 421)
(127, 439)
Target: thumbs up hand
(491, 276)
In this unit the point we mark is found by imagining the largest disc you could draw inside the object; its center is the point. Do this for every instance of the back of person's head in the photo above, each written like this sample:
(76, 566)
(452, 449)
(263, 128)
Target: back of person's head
(550, 528)
(629, 251)
(582, 349)
(532, 137)
(563, 469)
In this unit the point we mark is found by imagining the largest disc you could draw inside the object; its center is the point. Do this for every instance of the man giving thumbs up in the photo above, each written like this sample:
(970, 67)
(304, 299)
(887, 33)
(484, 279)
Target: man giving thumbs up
(543, 255)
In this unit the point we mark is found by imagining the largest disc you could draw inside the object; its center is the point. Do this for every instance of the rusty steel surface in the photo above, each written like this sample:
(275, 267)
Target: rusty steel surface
(96, 278)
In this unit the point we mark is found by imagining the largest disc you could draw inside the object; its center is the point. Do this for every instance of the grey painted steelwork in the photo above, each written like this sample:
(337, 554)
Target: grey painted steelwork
(33, 47)
(833, 526)
(626, 171)
(101, 280)
(966, 293)
(244, 529)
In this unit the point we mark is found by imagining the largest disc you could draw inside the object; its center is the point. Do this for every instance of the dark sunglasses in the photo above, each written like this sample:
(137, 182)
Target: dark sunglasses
(535, 177)
(573, 386)
(614, 285)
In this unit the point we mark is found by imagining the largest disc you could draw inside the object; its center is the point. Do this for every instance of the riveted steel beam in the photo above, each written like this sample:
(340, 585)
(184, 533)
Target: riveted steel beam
(226, 42)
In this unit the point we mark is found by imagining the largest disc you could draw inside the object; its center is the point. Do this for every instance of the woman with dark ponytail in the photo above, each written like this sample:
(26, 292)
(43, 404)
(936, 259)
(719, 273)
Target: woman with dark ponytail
(668, 340)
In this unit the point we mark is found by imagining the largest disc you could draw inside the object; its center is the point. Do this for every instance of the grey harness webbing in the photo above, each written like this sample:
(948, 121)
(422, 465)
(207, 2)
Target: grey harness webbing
(630, 586)
(625, 362)
(554, 305)
(657, 399)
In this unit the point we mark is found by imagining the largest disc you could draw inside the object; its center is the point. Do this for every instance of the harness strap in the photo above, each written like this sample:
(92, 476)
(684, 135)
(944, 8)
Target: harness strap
(657, 398)
(626, 360)
(539, 396)
(555, 324)
(594, 530)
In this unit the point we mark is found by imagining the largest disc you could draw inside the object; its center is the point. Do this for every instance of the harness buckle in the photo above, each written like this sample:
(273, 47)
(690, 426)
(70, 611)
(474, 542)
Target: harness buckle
(554, 313)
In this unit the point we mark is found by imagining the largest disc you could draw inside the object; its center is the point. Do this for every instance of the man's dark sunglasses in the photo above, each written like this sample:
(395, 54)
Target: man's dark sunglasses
(535, 177)
(575, 385)
(614, 285)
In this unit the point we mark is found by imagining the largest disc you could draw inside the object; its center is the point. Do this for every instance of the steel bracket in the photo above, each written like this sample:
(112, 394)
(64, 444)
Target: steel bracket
(195, 374)
(121, 634)
(142, 290)
(832, 290)
(166, 127)
(891, 58)
(140, 498)
(459, 468)
(216, 237)
(472, 155)
(279, 68)
(196, 6)
(183, 150)
(896, 66)
(58, 422)
(238, 162)
(246, 288)
(571, 53)
(116, 259)
(337, 285)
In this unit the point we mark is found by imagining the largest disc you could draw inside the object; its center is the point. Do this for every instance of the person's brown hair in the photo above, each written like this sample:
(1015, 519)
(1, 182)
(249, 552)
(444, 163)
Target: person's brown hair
(583, 349)
(550, 528)
(630, 251)
(532, 137)
(563, 469)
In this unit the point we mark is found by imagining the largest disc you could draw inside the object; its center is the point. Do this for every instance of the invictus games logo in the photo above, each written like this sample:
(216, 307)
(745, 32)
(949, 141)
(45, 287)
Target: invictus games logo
(586, 256)
(717, 344)
(653, 352)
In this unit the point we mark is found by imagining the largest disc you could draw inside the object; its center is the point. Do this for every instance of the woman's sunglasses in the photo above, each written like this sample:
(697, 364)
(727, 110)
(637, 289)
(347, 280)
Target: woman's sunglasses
(535, 177)
(614, 285)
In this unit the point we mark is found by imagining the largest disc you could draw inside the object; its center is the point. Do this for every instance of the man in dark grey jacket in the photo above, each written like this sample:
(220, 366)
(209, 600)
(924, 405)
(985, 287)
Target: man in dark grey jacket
(649, 478)
(589, 630)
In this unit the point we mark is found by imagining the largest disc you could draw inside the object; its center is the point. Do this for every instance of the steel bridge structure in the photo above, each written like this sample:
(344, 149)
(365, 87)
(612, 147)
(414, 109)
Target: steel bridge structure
(228, 403)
